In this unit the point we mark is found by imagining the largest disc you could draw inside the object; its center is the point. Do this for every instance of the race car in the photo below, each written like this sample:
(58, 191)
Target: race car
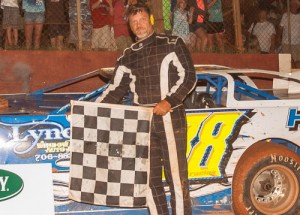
(242, 142)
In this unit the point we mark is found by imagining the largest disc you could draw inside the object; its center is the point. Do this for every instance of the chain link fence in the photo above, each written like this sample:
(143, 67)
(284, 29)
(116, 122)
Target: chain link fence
(261, 25)
(271, 26)
(229, 26)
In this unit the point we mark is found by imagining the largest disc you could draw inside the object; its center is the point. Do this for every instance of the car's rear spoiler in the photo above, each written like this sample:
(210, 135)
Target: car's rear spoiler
(105, 75)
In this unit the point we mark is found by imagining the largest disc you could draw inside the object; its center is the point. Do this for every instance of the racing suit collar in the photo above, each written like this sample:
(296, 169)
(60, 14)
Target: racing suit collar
(140, 44)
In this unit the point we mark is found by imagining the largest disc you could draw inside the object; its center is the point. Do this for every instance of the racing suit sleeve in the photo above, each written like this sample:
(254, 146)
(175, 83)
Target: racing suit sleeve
(118, 87)
(187, 76)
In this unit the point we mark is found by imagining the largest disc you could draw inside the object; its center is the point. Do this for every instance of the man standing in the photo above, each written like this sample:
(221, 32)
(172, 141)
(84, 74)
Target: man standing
(159, 72)
(102, 15)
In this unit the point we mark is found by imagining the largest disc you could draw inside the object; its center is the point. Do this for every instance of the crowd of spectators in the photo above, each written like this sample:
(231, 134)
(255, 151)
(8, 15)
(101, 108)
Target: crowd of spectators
(276, 29)
(201, 24)
(103, 24)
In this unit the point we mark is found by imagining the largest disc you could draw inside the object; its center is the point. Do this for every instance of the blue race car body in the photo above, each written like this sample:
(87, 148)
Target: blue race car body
(35, 129)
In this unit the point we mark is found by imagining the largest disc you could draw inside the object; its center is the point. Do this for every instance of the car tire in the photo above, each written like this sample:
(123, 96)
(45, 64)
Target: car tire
(266, 181)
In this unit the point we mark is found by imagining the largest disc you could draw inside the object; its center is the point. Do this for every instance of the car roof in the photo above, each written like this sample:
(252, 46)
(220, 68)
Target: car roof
(218, 69)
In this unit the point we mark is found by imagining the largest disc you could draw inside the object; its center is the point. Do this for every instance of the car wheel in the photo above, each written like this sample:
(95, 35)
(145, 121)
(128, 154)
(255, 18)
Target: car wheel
(266, 181)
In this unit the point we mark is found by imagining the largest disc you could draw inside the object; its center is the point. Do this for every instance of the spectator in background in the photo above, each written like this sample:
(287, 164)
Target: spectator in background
(86, 24)
(34, 17)
(102, 15)
(265, 3)
(11, 21)
(57, 20)
(173, 7)
(121, 30)
(215, 25)
(181, 20)
(264, 31)
(200, 14)
(291, 45)
(274, 16)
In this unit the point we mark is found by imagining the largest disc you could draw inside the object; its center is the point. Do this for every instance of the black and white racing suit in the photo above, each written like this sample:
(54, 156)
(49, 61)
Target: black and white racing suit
(154, 69)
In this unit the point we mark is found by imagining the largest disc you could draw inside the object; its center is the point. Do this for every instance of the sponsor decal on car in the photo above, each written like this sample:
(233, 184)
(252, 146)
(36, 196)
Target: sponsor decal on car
(209, 141)
(251, 211)
(38, 132)
(36, 140)
(280, 158)
(10, 185)
(293, 120)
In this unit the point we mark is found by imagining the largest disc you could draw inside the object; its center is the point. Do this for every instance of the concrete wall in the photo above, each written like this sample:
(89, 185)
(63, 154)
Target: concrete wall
(27, 71)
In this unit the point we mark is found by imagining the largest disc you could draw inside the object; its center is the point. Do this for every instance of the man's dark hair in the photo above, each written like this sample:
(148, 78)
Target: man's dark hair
(265, 9)
(136, 8)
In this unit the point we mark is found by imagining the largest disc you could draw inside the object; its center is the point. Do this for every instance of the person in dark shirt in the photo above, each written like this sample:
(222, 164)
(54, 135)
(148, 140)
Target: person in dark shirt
(159, 72)
(57, 21)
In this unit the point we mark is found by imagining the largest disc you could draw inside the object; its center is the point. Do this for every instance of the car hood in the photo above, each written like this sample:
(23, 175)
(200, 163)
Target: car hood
(35, 104)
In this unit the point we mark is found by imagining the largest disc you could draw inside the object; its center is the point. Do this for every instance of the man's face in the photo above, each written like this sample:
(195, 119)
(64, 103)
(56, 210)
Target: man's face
(140, 25)
(263, 15)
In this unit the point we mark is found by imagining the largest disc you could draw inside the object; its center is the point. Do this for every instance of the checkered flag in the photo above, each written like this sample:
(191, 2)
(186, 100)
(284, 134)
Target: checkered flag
(109, 154)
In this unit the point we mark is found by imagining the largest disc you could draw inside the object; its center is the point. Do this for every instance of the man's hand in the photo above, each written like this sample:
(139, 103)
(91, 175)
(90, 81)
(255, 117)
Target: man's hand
(162, 108)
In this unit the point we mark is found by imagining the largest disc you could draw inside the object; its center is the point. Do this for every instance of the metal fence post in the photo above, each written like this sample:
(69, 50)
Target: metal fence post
(289, 26)
(79, 30)
(237, 25)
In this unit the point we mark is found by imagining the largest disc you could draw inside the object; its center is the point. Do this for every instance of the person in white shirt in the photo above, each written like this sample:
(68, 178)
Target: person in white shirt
(11, 21)
(264, 31)
(294, 17)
